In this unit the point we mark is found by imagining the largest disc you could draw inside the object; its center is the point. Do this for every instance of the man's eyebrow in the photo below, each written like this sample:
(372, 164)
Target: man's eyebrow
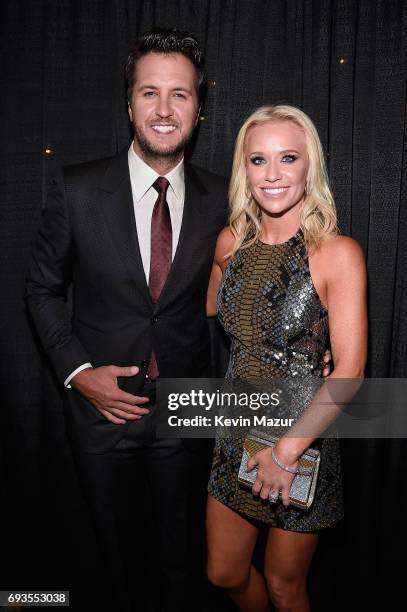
(147, 87)
(176, 88)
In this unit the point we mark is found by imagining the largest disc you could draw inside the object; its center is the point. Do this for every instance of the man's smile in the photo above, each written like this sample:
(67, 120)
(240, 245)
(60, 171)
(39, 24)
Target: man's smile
(163, 128)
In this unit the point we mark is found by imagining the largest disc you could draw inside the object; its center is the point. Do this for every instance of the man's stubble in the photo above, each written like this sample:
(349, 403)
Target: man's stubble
(167, 154)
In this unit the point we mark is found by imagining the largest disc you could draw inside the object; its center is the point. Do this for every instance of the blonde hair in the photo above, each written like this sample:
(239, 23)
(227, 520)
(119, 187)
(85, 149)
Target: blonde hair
(318, 213)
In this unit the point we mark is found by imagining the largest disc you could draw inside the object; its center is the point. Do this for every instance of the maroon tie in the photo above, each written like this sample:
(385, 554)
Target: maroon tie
(161, 252)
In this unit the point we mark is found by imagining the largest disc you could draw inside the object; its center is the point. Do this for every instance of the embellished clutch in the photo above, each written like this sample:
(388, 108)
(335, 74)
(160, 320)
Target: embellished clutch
(302, 490)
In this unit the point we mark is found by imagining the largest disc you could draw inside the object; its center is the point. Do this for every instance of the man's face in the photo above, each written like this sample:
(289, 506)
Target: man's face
(164, 106)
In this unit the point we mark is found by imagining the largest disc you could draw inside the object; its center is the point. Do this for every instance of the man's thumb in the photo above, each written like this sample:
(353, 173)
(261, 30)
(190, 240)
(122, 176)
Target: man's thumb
(127, 371)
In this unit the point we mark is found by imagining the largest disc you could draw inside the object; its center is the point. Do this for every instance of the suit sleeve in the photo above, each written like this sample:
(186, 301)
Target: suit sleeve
(48, 278)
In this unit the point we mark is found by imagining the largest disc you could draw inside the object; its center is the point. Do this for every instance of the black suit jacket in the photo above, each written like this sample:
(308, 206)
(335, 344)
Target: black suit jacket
(88, 238)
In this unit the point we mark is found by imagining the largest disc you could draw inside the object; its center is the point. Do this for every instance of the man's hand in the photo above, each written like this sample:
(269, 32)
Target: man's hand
(99, 386)
(327, 361)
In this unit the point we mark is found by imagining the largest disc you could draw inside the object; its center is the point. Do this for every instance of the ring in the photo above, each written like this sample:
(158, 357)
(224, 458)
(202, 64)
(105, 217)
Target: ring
(273, 496)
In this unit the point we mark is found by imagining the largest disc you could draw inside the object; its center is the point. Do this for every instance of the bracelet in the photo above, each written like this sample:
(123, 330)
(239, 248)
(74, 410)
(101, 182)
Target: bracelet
(281, 465)
(299, 470)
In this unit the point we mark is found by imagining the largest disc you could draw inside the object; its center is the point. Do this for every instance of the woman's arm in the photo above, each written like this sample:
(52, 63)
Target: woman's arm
(347, 306)
(224, 245)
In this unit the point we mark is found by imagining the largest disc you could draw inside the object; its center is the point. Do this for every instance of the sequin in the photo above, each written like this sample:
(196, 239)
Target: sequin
(278, 328)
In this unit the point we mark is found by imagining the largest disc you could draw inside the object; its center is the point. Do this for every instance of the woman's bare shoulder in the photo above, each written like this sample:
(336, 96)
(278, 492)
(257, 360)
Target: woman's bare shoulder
(342, 247)
(341, 254)
(224, 245)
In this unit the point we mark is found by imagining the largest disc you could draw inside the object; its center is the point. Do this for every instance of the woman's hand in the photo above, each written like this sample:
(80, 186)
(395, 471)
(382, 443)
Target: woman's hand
(270, 477)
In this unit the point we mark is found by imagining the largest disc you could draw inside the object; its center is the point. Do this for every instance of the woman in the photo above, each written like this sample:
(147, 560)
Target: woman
(281, 260)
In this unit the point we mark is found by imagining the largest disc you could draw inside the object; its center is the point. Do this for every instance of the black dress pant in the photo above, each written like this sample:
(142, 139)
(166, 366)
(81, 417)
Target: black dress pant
(147, 500)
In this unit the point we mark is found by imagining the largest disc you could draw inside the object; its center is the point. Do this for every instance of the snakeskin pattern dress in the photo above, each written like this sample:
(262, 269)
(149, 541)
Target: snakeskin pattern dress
(278, 328)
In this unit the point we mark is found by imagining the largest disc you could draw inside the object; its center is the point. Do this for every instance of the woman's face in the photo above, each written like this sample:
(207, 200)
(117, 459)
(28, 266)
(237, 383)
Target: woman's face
(276, 165)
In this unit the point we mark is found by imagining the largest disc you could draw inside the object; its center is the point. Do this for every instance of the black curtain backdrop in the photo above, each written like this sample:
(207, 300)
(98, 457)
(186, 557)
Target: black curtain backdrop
(62, 99)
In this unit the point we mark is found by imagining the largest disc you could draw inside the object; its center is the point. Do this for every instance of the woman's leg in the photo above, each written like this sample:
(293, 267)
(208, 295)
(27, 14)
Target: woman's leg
(287, 560)
(231, 540)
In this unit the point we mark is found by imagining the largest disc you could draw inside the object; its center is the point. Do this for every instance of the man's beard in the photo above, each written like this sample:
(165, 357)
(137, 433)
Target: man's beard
(153, 152)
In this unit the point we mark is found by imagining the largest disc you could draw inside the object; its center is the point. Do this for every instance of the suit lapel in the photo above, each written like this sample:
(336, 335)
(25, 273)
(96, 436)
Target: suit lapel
(193, 219)
(118, 209)
(116, 201)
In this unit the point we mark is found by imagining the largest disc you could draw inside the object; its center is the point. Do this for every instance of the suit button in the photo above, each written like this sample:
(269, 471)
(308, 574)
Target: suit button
(144, 363)
(154, 320)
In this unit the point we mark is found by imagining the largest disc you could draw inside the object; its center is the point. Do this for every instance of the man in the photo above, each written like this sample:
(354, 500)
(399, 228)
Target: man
(135, 234)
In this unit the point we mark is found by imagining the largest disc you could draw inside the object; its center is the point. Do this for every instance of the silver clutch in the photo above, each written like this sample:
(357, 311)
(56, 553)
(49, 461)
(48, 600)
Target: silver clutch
(302, 490)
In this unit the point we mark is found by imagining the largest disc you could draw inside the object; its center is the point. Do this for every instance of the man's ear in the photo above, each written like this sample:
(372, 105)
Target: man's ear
(129, 111)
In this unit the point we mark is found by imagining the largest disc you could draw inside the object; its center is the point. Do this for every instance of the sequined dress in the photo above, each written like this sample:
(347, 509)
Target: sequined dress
(278, 328)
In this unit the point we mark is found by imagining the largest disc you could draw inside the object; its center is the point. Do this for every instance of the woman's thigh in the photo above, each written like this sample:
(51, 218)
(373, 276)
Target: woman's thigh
(231, 540)
(289, 554)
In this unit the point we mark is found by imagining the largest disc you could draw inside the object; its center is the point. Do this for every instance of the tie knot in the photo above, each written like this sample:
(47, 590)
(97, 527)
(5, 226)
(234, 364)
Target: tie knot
(161, 185)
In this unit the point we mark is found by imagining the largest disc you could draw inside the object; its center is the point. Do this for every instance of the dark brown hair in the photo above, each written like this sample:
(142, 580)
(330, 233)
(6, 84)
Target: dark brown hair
(162, 40)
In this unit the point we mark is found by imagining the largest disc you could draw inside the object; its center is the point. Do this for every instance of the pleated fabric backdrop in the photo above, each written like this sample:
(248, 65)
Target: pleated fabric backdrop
(344, 63)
